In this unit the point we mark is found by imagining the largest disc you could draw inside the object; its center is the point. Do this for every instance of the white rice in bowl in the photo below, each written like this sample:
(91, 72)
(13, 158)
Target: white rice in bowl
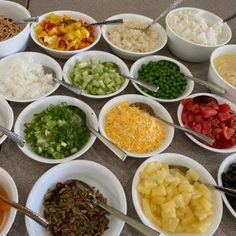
(25, 79)
(123, 36)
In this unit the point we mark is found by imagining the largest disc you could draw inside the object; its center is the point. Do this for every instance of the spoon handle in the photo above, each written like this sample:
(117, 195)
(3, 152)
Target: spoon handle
(209, 85)
(28, 20)
(121, 154)
(202, 137)
(71, 87)
(229, 191)
(229, 17)
(130, 221)
(26, 211)
(13, 136)
(107, 22)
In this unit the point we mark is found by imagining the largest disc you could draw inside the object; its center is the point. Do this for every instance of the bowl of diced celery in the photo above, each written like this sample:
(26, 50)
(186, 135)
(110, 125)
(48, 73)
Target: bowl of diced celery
(91, 72)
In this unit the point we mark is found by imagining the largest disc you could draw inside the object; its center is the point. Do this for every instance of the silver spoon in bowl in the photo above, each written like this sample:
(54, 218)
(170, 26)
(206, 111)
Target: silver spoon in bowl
(148, 109)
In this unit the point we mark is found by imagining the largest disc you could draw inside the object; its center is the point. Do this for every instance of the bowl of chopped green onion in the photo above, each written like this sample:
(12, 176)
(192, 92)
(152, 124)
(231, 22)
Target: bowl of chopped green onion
(165, 72)
(55, 129)
(92, 72)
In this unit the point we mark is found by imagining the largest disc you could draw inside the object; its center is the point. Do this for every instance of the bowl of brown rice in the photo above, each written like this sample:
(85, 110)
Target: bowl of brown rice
(130, 43)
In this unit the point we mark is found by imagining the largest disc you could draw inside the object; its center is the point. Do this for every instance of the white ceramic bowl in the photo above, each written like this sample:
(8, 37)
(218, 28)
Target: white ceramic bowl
(19, 42)
(90, 172)
(223, 168)
(101, 56)
(38, 106)
(39, 58)
(6, 117)
(205, 176)
(8, 184)
(220, 101)
(76, 16)
(214, 76)
(158, 109)
(129, 55)
(190, 51)
(145, 60)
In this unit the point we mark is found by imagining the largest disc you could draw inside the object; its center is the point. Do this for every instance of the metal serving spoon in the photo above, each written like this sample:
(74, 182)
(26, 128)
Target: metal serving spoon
(33, 19)
(173, 5)
(128, 220)
(145, 107)
(81, 115)
(107, 22)
(26, 211)
(13, 136)
(145, 84)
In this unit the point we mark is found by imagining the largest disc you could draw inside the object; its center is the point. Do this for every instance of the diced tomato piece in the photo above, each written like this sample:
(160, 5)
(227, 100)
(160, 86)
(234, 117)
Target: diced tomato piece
(214, 105)
(207, 112)
(224, 107)
(231, 122)
(62, 44)
(206, 127)
(228, 132)
(49, 25)
(224, 115)
(198, 119)
(197, 128)
(187, 101)
(184, 117)
(195, 108)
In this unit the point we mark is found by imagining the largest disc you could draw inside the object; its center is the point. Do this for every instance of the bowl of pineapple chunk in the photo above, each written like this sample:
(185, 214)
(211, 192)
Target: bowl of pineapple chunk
(169, 195)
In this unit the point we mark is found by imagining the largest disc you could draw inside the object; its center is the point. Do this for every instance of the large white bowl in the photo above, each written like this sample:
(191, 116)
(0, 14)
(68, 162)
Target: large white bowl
(145, 60)
(101, 56)
(223, 168)
(214, 76)
(220, 101)
(40, 58)
(76, 16)
(158, 109)
(90, 172)
(38, 106)
(190, 51)
(8, 184)
(129, 55)
(19, 42)
(6, 117)
(205, 176)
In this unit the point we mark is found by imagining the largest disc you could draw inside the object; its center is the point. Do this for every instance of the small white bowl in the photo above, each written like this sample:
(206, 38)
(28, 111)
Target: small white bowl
(190, 51)
(214, 76)
(6, 117)
(19, 42)
(145, 60)
(157, 107)
(90, 172)
(101, 56)
(205, 176)
(223, 168)
(129, 55)
(220, 101)
(76, 16)
(40, 58)
(8, 184)
(38, 106)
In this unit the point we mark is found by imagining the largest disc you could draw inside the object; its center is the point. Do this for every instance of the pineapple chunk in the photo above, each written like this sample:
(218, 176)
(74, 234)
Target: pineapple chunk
(159, 191)
(192, 175)
(170, 224)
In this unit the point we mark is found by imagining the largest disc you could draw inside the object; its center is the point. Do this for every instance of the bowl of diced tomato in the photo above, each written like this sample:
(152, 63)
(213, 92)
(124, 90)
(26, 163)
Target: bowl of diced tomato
(63, 34)
(212, 116)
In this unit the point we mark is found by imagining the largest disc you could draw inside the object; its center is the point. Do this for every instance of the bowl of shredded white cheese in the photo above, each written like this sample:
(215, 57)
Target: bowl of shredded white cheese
(194, 33)
(23, 79)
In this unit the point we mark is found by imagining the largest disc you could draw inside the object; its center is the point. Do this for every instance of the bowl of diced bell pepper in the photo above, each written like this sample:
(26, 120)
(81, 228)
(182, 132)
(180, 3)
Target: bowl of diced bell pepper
(63, 34)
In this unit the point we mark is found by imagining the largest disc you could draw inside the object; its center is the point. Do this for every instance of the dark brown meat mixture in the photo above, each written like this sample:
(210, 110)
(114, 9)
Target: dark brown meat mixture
(71, 211)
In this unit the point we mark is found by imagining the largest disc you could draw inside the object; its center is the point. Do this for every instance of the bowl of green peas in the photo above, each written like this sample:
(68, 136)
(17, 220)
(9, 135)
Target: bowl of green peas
(167, 73)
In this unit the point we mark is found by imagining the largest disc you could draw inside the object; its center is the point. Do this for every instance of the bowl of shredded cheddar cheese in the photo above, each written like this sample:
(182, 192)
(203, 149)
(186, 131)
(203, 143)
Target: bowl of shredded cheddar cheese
(135, 131)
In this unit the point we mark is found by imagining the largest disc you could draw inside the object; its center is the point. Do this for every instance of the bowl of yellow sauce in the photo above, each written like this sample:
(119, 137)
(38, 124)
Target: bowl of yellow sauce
(222, 70)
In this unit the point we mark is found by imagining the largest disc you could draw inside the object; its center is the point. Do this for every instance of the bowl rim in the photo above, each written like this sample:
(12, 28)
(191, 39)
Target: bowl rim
(90, 54)
(64, 166)
(12, 214)
(37, 54)
(161, 158)
(193, 43)
(224, 167)
(46, 102)
(66, 52)
(213, 65)
(224, 100)
(27, 26)
(107, 106)
(10, 112)
(186, 93)
(159, 26)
